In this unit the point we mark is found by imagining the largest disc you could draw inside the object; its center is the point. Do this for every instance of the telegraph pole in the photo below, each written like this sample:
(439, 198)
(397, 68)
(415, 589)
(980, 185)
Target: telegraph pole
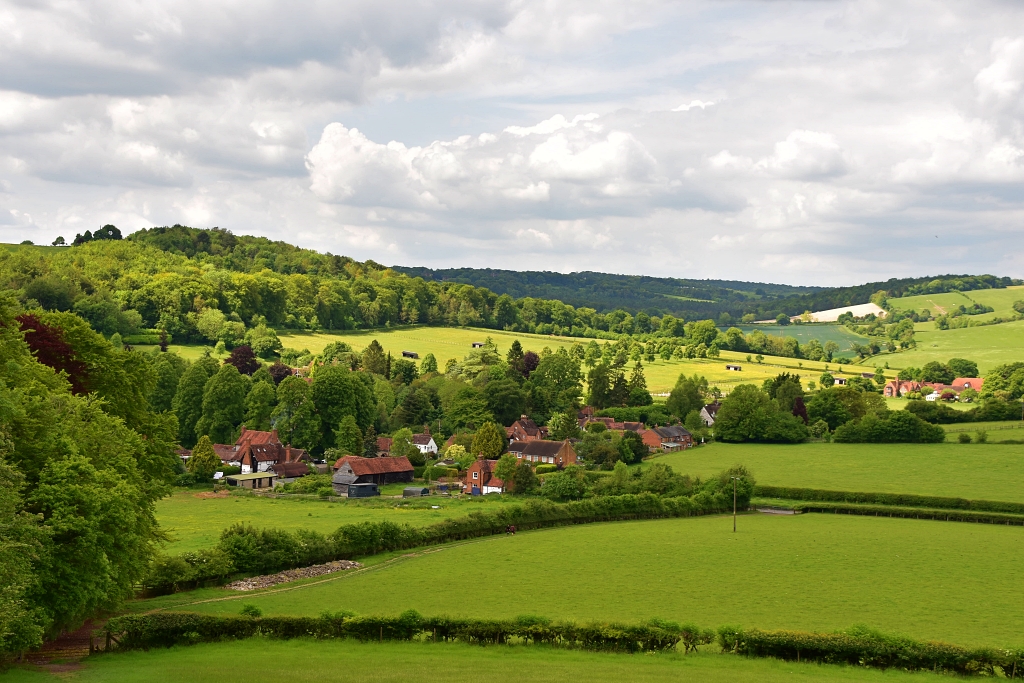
(734, 503)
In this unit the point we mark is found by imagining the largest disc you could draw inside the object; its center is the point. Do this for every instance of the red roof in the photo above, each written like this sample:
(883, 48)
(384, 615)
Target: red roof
(290, 469)
(384, 444)
(385, 465)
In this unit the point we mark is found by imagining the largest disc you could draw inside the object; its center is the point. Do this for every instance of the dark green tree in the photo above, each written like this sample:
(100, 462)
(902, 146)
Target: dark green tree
(374, 359)
(524, 479)
(169, 368)
(223, 405)
(515, 361)
(370, 443)
(348, 438)
(295, 417)
(259, 405)
(687, 395)
(188, 399)
(632, 448)
(749, 414)
(506, 400)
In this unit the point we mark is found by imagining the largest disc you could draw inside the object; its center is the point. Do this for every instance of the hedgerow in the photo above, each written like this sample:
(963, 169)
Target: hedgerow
(912, 513)
(874, 498)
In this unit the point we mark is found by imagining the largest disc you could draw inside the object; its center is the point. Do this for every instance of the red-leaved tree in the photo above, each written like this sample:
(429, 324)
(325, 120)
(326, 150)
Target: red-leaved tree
(244, 359)
(50, 348)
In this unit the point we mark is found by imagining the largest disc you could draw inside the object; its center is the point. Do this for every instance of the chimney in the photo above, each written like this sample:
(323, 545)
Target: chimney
(273, 437)
(522, 417)
(288, 453)
(243, 429)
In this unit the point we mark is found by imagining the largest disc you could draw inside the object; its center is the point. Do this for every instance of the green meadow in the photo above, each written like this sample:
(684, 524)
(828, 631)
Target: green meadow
(353, 662)
(988, 345)
(931, 580)
(995, 432)
(999, 299)
(195, 521)
(979, 471)
(805, 333)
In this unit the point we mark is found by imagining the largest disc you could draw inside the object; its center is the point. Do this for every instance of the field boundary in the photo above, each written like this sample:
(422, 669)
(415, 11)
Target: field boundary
(908, 500)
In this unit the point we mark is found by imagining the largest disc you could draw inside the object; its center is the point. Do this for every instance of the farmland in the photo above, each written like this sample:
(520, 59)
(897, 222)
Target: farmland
(354, 662)
(811, 572)
(804, 333)
(988, 345)
(1000, 299)
(982, 471)
(195, 520)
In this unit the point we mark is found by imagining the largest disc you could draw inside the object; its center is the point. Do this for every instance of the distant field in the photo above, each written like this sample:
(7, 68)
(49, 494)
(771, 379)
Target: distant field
(999, 299)
(982, 471)
(995, 432)
(350, 661)
(930, 580)
(196, 522)
(805, 333)
(989, 346)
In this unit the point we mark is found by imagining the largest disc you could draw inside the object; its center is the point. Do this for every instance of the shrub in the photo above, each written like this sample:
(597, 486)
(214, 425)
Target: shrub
(981, 436)
(544, 469)
(899, 426)
(250, 610)
(964, 437)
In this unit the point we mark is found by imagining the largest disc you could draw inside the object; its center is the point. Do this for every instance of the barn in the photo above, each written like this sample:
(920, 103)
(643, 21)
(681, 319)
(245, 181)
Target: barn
(355, 470)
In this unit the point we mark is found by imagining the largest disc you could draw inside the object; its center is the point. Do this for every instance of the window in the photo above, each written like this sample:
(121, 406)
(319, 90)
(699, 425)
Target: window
(519, 455)
(476, 475)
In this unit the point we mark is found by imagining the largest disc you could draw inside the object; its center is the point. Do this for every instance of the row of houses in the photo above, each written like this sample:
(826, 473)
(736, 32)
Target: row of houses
(895, 387)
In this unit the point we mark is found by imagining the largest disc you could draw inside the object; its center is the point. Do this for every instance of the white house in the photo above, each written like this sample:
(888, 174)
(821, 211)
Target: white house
(424, 442)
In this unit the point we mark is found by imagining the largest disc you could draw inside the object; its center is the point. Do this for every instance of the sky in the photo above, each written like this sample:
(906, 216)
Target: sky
(815, 142)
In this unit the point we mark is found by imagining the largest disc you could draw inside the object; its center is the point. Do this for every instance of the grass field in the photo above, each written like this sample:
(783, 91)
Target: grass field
(980, 471)
(1000, 299)
(988, 346)
(805, 333)
(195, 522)
(930, 580)
(354, 662)
(995, 432)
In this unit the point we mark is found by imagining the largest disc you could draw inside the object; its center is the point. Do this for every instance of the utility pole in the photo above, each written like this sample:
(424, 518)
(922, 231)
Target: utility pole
(734, 503)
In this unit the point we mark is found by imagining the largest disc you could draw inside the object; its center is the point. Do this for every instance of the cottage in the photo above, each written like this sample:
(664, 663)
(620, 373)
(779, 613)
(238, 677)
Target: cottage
(962, 383)
(257, 451)
(895, 388)
(733, 368)
(708, 412)
(254, 480)
(559, 453)
(672, 438)
(352, 469)
(525, 429)
(410, 354)
(480, 479)
(425, 443)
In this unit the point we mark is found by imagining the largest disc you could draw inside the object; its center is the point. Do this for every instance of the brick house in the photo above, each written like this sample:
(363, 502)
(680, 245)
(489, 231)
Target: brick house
(353, 469)
(525, 429)
(480, 479)
(894, 387)
(257, 451)
(672, 438)
(559, 453)
(962, 383)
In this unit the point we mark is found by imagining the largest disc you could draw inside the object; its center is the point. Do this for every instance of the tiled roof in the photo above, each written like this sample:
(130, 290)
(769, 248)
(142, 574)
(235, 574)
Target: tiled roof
(542, 448)
(421, 439)
(290, 469)
(671, 432)
(252, 436)
(227, 453)
(384, 443)
(364, 466)
(712, 408)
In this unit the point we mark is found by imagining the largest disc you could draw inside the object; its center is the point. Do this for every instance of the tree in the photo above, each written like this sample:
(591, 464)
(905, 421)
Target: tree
(961, 367)
(563, 426)
(505, 399)
(259, 405)
(530, 362)
(203, 462)
(830, 350)
(599, 381)
(468, 409)
(514, 358)
(337, 392)
(428, 364)
(782, 319)
(263, 341)
(188, 399)
(569, 484)
(505, 469)
(686, 395)
(369, 442)
(402, 445)
(169, 368)
(373, 358)
(243, 359)
(278, 371)
(749, 414)
(348, 438)
(223, 405)
(489, 441)
(592, 354)
(404, 371)
(59, 242)
(935, 371)
(524, 479)
(295, 417)
(210, 323)
(826, 380)
(632, 448)
(836, 405)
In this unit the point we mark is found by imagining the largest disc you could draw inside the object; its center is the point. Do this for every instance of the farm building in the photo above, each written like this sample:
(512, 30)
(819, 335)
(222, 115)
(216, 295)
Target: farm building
(525, 429)
(671, 438)
(708, 412)
(480, 479)
(612, 425)
(253, 480)
(415, 492)
(477, 345)
(352, 469)
(559, 453)
(257, 451)
(962, 383)
(733, 368)
(410, 354)
(840, 381)
(288, 472)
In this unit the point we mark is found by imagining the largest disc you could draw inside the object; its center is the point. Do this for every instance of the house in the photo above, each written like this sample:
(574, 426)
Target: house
(353, 469)
(424, 442)
(894, 387)
(184, 454)
(559, 453)
(585, 413)
(410, 354)
(708, 412)
(672, 438)
(525, 429)
(961, 383)
(480, 479)
(383, 446)
(253, 480)
(733, 368)
(289, 471)
(839, 381)
(257, 451)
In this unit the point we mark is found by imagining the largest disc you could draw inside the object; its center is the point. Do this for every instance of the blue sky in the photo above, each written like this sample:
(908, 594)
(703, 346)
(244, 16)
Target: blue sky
(812, 142)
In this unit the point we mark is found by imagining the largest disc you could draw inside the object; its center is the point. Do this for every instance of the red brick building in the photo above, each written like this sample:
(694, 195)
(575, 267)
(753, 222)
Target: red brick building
(559, 453)
(257, 451)
(525, 429)
(672, 438)
(480, 479)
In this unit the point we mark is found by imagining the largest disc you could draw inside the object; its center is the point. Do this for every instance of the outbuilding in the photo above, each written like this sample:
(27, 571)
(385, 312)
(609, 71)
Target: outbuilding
(352, 469)
(362, 490)
(415, 492)
(410, 354)
(733, 368)
(253, 480)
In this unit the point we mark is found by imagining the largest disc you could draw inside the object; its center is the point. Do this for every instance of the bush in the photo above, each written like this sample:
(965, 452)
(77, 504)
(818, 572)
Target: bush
(964, 437)
(544, 469)
(899, 426)
(904, 499)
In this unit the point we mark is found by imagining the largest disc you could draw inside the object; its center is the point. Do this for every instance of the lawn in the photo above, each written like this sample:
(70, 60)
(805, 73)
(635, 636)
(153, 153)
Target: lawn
(354, 662)
(980, 471)
(988, 346)
(930, 580)
(194, 521)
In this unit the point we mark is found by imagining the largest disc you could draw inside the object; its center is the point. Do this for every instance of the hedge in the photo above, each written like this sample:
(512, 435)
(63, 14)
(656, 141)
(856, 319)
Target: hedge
(904, 499)
(263, 551)
(865, 647)
(914, 513)
(165, 629)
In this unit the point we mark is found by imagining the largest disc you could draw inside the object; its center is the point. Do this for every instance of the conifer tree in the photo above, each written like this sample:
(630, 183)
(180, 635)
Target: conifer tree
(204, 462)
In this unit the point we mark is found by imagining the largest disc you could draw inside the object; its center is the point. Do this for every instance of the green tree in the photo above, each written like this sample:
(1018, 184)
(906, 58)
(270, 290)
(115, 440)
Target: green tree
(961, 367)
(263, 341)
(374, 359)
(20, 541)
(569, 484)
(592, 355)
(686, 395)
(826, 380)
(563, 426)
(489, 440)
(223, 404)
(749, 414)
(204, 462)
(295, 417)
(505, 399)
(402, 445)
(468, 409)
(505, 469)
(830, 350)
(524, 479)
(632, 448)
(599, 383)
(369, 442)
(348, 438)
(428, 364)
(169, 368)
(337, 392)
(188, 399)
(259, 406)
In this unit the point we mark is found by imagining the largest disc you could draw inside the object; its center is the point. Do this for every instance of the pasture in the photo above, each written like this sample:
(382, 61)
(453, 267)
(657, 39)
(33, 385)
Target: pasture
(805, 333)
(193, 520)
(929, 580)
(988, 345)
(1000, 299)
(355, 662)
(979, 471)
(995, 432)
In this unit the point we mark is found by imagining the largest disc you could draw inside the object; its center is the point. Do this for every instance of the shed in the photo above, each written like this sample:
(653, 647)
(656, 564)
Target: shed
(477, 345)
(254, 480)
(414, 491)
(410, 354)
(362, 491)
(733, 368)
(840, 381)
